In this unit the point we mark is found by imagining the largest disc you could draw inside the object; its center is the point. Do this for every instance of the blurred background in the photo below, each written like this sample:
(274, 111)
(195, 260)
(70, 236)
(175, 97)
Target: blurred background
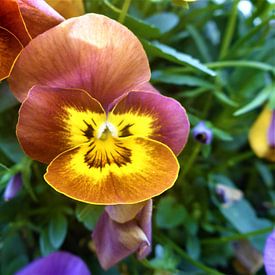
(217, 58)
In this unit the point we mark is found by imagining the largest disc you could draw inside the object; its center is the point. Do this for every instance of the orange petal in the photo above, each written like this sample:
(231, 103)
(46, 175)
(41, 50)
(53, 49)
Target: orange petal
(11, 19)
(91, 52)
(147, 169)
(52, 121)
(38, 16)
(68, 8)
(10, 48)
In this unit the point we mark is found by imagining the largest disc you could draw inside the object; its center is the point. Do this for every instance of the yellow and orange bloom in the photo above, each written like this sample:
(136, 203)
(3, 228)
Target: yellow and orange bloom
(123, 230)
(21, 21)
(90, 113)
(262, 135)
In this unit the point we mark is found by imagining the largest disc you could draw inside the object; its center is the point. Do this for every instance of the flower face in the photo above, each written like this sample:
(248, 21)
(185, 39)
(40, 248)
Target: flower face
(262, 135)
(269, 254)
(114, 143)
(202, 133)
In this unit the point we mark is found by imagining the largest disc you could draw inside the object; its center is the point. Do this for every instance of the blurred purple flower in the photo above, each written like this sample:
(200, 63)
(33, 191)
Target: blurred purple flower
(13, 187)
(123, 230)
(269, 254)
(202, 133)
(57, 263)
(271, 131)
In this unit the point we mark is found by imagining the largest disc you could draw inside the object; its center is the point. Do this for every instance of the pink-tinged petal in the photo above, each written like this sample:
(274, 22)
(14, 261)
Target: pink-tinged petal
(68, 8)
(124, 213)
(154, 116)
(10, 48)
(269, 254)
(146, 87)
(11, 19)
(52, 121)
(38, 16)
(91, 52)
(57, 263)
(115, 241)
(144, 219)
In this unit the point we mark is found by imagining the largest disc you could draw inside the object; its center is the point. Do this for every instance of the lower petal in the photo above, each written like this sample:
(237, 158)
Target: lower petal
(138, 169)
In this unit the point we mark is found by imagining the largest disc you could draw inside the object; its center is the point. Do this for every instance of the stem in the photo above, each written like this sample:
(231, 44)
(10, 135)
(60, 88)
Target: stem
(192, 158)
(229, 30)
(161, 238)
(124, 11)
(237, 236)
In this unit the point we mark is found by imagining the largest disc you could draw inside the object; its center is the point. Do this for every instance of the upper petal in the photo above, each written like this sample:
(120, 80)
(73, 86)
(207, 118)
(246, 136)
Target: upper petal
(152, 115)
(38, 16)
(91, 52)
(57, 263)
(11, 19)
(114, 172)
(52, 121)
(10, 48)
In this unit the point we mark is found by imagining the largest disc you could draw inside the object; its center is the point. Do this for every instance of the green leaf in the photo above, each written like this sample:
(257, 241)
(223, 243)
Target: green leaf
(180, 79)
(88, 214)
(44, 242)
(222, 134)
(164, 21)
(225, 99)
(257, 101)
(265, 173)
(157, 49)
(271, 103)
(169, 213)
(57, 230)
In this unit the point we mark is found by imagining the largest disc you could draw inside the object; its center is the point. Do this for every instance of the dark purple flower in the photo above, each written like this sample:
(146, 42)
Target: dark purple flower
(13, 187)
(123, 230)
(57, 263)
(269, 254)
(271, 131)
(202, 133)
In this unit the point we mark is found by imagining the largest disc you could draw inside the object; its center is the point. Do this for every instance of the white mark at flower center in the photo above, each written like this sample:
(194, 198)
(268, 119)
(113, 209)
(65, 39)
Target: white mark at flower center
(105, 129)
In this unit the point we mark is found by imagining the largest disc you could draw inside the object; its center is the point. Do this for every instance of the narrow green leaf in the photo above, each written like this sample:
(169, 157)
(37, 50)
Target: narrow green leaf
(225, 99)
(222, 134)
(168, 53)
(44, 243)
(257, 101)
(180, 79)
(57, 230)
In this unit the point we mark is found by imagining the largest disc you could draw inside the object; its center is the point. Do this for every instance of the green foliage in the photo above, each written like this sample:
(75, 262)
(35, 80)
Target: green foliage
(219, 63)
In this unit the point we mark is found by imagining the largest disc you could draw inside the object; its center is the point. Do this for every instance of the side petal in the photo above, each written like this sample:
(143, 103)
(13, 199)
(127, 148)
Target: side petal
(91, 52)
(115, 241)
(52, 121)
(154, 116)
(68, 8)
(125, 212)
(38, 16)
(11, 19)
(269, 254)
(10, 48)
(125, 172)
(58, 263)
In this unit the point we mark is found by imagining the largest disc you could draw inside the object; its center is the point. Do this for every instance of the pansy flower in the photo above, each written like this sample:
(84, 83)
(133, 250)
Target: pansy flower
(57, 263)
(262, 135)
(89, 112)
(123, 230)
(20, 21)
